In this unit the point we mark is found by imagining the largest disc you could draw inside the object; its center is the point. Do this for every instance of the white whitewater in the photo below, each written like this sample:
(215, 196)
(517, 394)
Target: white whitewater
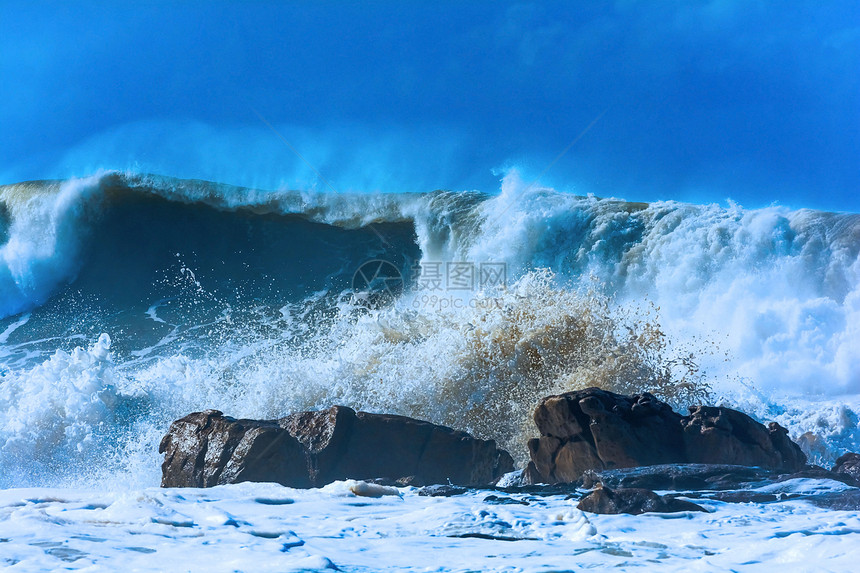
(762, 305)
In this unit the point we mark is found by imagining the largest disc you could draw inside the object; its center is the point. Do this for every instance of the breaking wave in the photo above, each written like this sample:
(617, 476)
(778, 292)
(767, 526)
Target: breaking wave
(131, 299)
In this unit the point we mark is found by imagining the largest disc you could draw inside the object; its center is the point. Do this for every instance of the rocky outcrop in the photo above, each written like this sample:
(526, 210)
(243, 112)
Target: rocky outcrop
(848, 464)
(204, 449)
(634, 501)
(721, 435)
(310, 449)
(595, 429)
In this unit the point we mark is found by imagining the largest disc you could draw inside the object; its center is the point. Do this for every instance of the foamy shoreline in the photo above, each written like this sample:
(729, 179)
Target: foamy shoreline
(266, 527)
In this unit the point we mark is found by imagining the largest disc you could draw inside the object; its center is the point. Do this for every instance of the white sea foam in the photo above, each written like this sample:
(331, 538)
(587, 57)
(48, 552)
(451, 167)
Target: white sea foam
(60, 411)
(265, 527)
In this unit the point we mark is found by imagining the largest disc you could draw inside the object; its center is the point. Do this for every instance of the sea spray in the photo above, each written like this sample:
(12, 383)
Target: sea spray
(242, 300)
(58, 417)
(481, 368)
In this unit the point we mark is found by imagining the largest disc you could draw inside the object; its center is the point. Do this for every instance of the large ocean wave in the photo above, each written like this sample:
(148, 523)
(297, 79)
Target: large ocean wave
(131, 299)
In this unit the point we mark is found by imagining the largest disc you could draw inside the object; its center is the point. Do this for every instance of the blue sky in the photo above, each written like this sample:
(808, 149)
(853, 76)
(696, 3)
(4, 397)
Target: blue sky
(701, 101)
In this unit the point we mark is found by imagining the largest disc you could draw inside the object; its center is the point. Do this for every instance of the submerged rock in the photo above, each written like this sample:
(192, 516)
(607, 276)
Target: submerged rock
(442, 490)
(310, 449)
(678, 477)
(848, 500)
(634, 501)
(595, 429)
(710, 477)
(849, 465)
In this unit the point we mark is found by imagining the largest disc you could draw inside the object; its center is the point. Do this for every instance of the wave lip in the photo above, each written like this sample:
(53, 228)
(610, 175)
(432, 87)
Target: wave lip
(49, 227)
(43, 239)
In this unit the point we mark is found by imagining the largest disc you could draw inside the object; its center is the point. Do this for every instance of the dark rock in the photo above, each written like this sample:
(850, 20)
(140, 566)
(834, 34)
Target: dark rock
(732, 484)
(408, 481)
(310, 449)
(848, 500)
(531, 475)
(566, 489)
(207, 448)
(598, 429)
(747, 496)
(489, 537)
(848, 464)
(817, 472)
(442, 490)
(633, 501)
(713, 477)
(840, 500)
(679, 477)
(594, 429)
(503, 500)
(722, 435)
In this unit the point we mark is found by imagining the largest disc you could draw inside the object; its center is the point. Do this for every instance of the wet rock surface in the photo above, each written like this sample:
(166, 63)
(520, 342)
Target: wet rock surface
(731, 484)
(205, 449)
(310, 449)
(441, 490)
(594, 429)
(634, 501)
(687, 477)
(839, 501)
(849, 465)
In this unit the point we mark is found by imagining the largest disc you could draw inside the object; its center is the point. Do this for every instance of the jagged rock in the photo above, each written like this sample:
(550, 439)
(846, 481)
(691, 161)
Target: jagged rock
(848, 464)
(204, 449)
(726, 436)
(600, 430)
(310, 449)
(633, 501)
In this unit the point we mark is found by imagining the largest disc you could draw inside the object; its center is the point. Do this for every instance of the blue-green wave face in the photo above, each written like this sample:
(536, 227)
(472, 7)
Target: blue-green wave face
(132, 254)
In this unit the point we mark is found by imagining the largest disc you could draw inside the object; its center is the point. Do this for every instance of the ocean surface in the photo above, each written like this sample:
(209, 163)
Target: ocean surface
(266, 527)
(128, 300)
